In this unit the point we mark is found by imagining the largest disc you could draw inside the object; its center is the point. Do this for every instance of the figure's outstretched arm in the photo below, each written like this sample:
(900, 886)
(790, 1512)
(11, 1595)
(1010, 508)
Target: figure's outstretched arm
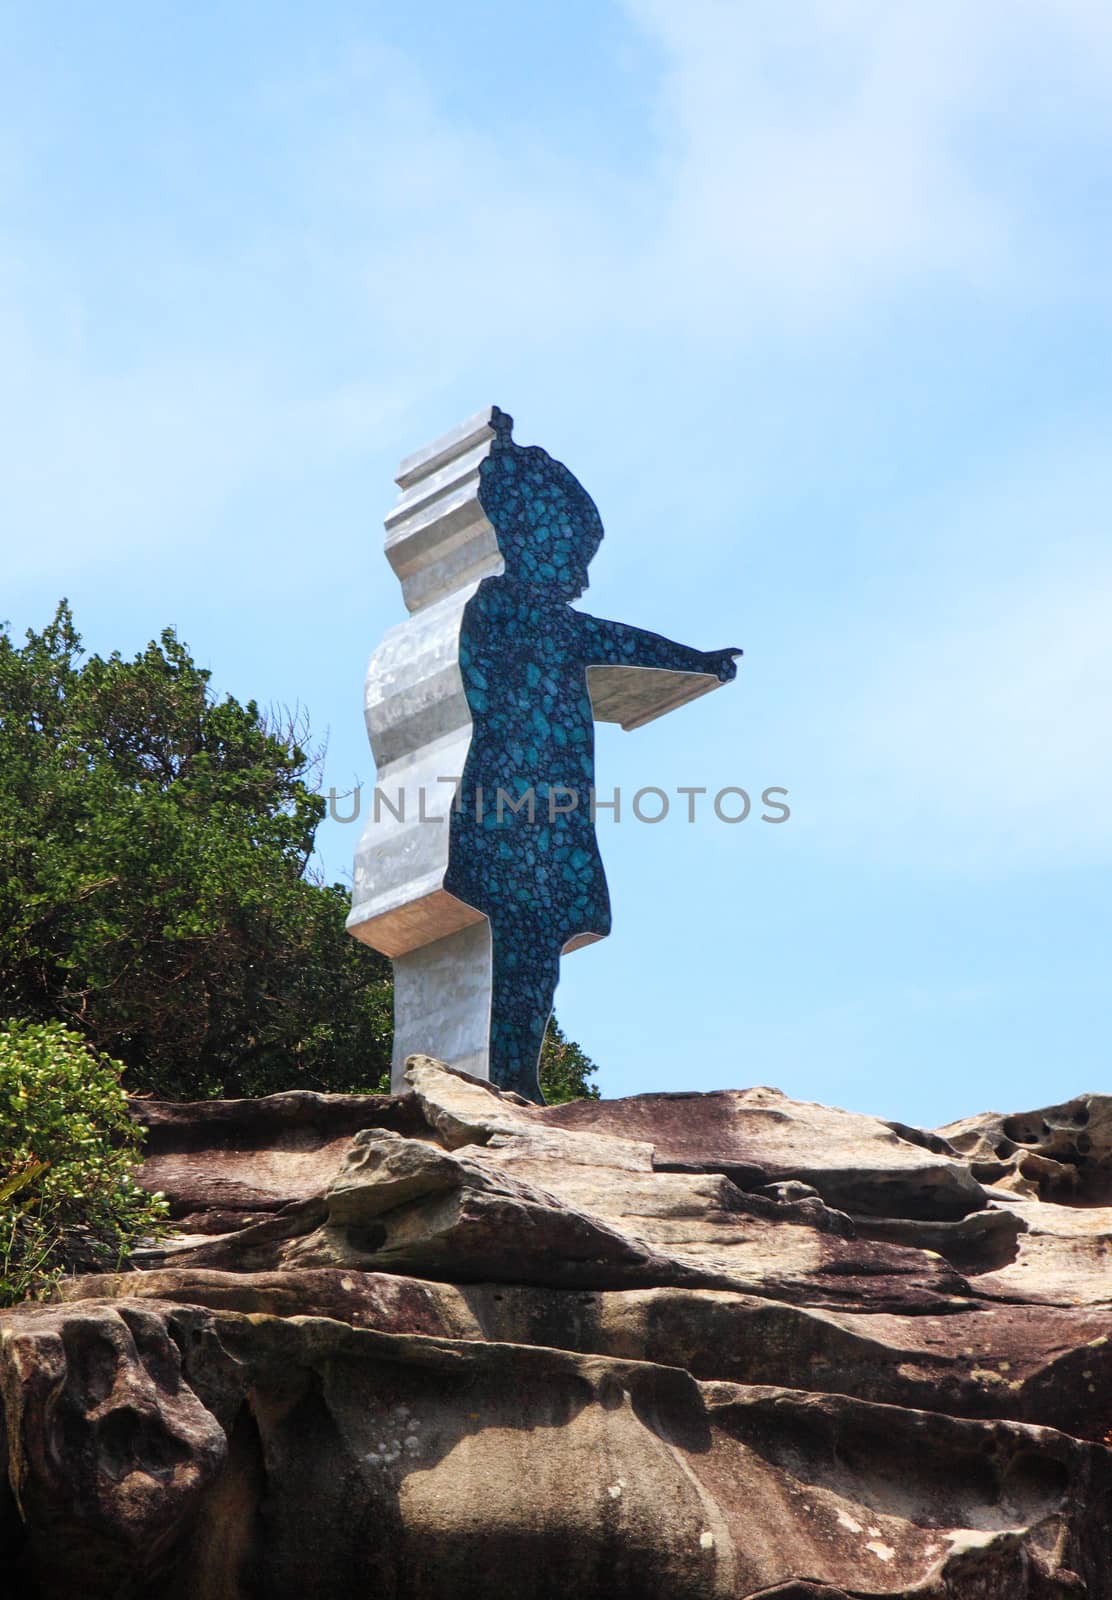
(617, 644)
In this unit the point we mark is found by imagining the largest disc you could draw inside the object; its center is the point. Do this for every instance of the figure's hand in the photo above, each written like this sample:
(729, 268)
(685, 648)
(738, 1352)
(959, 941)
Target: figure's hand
(722, 663)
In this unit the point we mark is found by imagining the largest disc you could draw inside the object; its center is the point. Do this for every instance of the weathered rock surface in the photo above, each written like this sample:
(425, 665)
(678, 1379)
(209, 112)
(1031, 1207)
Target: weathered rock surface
(759, 1136)
(451, 1344)
(224, 1162)
(1063, 1153)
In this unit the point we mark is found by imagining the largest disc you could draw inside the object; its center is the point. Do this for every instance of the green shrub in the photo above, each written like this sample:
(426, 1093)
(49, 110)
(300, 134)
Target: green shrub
(68, 1148)
(156, 888)
(565, 1068)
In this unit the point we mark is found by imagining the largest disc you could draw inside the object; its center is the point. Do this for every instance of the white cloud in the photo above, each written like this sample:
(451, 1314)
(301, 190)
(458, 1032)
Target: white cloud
(810, 160)
(401, 248)
(821, 155)
(979, 741)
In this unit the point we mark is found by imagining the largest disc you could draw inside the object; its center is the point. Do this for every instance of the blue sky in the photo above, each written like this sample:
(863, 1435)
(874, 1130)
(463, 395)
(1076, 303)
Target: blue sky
(815, 300)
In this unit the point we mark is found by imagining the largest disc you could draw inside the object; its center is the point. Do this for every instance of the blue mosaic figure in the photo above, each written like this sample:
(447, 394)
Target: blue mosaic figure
(523, 849)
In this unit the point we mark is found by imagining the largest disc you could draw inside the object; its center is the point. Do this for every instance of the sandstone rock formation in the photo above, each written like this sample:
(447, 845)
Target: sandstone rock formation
(683, 1346)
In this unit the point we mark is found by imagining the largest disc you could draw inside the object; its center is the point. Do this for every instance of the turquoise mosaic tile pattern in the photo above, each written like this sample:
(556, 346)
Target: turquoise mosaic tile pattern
(532, 865)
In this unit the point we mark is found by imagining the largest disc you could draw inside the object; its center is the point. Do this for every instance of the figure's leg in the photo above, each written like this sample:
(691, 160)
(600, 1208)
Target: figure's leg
(524, 981)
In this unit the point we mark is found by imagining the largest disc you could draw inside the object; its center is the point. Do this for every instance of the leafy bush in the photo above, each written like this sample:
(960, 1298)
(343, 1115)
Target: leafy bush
(154, 886)
(67, 1151)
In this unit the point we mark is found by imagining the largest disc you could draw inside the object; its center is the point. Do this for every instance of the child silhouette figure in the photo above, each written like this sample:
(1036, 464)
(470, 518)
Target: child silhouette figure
(522, 845)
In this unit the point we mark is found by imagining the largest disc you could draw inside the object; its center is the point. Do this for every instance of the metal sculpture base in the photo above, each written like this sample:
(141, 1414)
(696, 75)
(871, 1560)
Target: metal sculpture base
(442, 1004)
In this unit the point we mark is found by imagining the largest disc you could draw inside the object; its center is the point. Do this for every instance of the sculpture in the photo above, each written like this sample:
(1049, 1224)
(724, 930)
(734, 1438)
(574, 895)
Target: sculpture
(477, 877)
